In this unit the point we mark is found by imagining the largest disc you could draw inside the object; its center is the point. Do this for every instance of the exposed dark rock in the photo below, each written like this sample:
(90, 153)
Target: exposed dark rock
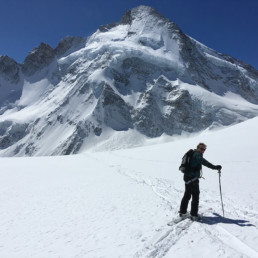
(37, 59)
(9, 69)
(11, 133)
(68, 44)
(115, 110)
(105, 28)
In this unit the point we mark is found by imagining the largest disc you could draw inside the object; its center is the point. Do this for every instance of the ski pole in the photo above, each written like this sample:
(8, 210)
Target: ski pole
(221, 193)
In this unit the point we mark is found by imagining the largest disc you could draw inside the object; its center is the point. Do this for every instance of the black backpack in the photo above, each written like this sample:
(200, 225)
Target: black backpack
(185, 164)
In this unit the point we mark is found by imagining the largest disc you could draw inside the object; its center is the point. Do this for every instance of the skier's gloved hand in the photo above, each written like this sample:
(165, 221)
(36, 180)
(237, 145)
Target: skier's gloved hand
(218, 167)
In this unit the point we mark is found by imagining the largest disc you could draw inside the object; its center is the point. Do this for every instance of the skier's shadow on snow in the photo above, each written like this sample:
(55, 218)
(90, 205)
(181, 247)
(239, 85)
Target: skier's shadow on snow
(219, 219)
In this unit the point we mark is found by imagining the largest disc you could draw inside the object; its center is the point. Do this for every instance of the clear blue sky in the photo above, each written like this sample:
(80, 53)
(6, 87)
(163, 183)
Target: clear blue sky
(227, 26)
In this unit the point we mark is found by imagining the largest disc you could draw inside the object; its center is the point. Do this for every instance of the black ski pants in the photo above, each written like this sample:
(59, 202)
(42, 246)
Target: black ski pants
(191, 190)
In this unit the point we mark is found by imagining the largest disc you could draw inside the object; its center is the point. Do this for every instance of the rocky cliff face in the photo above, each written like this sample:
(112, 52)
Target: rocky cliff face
(38, 59)
(140, 74)
(68, 45)
(10, 82)
(9, 69)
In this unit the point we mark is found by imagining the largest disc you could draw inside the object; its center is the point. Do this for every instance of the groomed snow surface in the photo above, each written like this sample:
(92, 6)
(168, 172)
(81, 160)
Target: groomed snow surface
(118, 203)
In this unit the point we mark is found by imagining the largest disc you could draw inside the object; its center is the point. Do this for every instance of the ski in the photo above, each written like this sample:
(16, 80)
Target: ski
(177, 220)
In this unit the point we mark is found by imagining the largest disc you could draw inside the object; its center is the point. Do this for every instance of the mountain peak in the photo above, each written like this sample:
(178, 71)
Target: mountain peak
(142, 74)
(143, 9)
(139, 13)
(38, 58)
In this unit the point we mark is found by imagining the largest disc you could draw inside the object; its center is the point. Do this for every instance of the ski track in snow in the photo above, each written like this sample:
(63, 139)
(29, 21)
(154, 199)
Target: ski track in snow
(114, 205)
(160, 244)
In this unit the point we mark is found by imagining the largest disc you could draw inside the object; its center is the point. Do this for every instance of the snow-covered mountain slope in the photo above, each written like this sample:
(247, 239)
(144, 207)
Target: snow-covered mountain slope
(142, 74)
(117, 204)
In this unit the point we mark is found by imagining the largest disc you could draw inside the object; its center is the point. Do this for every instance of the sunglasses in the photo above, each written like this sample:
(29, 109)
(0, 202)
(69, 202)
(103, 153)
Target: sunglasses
(202, 149)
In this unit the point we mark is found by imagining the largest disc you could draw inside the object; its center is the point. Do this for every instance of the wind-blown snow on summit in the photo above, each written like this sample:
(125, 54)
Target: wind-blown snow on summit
(141, 75)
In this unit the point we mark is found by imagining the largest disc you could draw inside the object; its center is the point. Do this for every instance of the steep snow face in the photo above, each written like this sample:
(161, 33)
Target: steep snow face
(141, 74)
(221, 73)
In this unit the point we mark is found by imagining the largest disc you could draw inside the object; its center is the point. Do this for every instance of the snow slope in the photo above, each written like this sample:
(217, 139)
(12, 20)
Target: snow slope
(117, 203)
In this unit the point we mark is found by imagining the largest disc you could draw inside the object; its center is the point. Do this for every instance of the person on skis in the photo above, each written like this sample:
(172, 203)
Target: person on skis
(191, 178)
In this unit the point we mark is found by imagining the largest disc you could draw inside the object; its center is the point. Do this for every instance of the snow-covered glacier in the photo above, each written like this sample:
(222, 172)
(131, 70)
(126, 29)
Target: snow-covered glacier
(141, 77)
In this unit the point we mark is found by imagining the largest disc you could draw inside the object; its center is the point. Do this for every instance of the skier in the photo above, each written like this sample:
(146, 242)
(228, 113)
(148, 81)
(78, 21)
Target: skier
(191, 178)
